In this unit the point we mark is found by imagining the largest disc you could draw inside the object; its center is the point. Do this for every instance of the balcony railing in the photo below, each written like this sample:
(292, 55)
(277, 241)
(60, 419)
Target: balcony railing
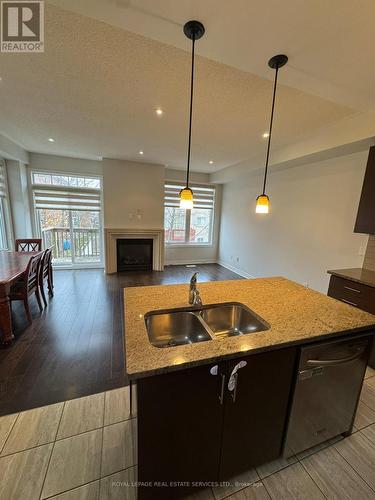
(85, 245)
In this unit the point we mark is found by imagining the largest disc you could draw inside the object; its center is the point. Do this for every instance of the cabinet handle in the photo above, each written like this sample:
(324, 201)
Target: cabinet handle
(234, 392)
(215, 371)
(351, 303)
(352, 289)
(233, 379)
(221, 396)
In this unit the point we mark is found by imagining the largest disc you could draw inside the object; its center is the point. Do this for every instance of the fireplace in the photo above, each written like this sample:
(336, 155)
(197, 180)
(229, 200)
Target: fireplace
(134, 254)
(114, 234)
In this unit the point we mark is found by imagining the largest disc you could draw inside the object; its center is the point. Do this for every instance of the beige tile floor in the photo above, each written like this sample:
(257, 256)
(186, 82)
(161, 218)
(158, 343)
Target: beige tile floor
(85, 449)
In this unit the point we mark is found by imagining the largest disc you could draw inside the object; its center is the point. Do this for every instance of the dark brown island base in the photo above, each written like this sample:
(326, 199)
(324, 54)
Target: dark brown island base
(211, 410)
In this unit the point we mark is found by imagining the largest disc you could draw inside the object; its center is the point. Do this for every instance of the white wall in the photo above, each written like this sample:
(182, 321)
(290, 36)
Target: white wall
(133, 197)
(19, 199)
(12, 151)
(130, 189)
(133, 194)
(195, 254)
(54, 163)
(180, 175)
(310, 229)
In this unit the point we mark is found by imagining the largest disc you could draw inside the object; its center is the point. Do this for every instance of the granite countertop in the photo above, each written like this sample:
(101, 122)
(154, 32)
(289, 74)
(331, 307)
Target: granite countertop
(357, 274)
(296, 314)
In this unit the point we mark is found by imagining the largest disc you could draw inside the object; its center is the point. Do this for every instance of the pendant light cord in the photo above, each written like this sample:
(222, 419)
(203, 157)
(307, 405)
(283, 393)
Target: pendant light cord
(191, 110)
(270, 131)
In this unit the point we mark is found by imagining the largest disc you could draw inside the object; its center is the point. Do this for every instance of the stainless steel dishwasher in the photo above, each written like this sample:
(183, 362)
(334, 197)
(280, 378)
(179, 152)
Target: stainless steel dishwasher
(328, 384)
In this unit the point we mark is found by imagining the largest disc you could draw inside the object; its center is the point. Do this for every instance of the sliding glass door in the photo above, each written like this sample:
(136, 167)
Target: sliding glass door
(69, 218)
(54, 227)
(86, 242)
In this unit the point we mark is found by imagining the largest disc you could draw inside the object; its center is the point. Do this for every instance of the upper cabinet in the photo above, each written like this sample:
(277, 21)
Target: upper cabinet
(365, 222)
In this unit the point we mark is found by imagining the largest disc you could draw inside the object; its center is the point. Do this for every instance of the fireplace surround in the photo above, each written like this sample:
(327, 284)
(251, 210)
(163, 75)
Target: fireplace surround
(112, 235)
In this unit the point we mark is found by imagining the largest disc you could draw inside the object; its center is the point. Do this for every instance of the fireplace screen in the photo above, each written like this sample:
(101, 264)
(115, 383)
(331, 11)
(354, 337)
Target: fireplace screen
(134, 254)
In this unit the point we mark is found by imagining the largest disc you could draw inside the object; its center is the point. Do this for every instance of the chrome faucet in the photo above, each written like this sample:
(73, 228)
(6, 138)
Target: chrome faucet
(194, 295)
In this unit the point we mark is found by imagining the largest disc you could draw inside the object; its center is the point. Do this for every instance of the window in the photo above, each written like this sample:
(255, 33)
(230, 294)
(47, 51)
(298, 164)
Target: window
(66, 180)
(188, 227)
(5, 236)
(68, 215)
(174, 224)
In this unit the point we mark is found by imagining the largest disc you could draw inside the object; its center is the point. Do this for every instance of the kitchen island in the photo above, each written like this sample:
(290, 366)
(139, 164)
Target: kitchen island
(210, 410)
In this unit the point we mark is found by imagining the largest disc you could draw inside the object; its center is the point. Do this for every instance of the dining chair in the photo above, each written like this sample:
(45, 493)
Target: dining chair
(29, 284)
(28, 245)
(45, 274)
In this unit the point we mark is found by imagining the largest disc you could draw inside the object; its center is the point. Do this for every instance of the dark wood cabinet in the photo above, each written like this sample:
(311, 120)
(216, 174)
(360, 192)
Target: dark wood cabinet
(365, 222)
(192, 428)
(357, 295)
(180, 421)
(353, 293)
(255, 415)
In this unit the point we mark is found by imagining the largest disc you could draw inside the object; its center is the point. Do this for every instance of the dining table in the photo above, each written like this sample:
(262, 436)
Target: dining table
(13, 266)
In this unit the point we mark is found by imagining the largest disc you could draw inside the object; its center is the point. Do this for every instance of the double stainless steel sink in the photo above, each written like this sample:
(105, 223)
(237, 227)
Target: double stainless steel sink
(188, 326)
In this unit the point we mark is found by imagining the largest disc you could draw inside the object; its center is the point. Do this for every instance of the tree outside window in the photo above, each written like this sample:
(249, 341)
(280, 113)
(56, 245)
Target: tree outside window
(188, 226)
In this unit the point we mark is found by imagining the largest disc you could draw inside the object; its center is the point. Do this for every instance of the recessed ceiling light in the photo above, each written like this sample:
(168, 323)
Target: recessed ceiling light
(159, 111)
(141, 152)
(211, 162)
(265, 135)
(51, 140)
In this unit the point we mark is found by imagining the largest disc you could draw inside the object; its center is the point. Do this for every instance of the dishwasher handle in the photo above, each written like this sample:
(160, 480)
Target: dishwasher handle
(339, 361)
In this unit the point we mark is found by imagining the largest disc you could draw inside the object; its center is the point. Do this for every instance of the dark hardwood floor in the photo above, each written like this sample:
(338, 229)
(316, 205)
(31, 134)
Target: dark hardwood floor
(75, 347)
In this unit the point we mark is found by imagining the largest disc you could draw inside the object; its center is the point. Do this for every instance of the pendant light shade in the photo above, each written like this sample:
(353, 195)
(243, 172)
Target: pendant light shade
(263, 202)
(194, 30)
(186, 198)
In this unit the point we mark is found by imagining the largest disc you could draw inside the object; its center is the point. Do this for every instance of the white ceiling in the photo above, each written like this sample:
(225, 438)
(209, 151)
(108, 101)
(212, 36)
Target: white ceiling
(96, 88)
(329, 42)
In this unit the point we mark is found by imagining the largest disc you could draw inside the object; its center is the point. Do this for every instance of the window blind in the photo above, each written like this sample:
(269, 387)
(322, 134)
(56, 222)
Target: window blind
(66, 198)
(204, 196)
(3, 182)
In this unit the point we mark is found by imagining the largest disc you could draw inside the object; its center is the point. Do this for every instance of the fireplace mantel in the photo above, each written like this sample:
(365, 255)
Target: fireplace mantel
(111, 235)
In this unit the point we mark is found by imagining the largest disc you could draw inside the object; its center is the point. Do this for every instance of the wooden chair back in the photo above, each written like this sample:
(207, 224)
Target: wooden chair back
(32, 273)
(27, 285)
(45, 274)
(46, 263)
(29, 245)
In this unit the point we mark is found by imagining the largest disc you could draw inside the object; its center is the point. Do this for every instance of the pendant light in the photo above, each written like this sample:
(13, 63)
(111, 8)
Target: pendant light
(263, 202)
(194, 30)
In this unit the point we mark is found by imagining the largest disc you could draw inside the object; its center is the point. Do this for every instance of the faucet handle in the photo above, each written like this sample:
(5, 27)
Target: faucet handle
(193, 279)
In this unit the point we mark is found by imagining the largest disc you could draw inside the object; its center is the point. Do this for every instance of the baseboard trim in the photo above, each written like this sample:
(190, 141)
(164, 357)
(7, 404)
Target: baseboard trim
(235, 270)
(191, 261)
(210, 261)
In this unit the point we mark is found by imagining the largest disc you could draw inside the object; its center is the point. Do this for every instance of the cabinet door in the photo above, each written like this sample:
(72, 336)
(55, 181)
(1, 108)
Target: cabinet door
(180, 418)
(255, 411)
(365, 222)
